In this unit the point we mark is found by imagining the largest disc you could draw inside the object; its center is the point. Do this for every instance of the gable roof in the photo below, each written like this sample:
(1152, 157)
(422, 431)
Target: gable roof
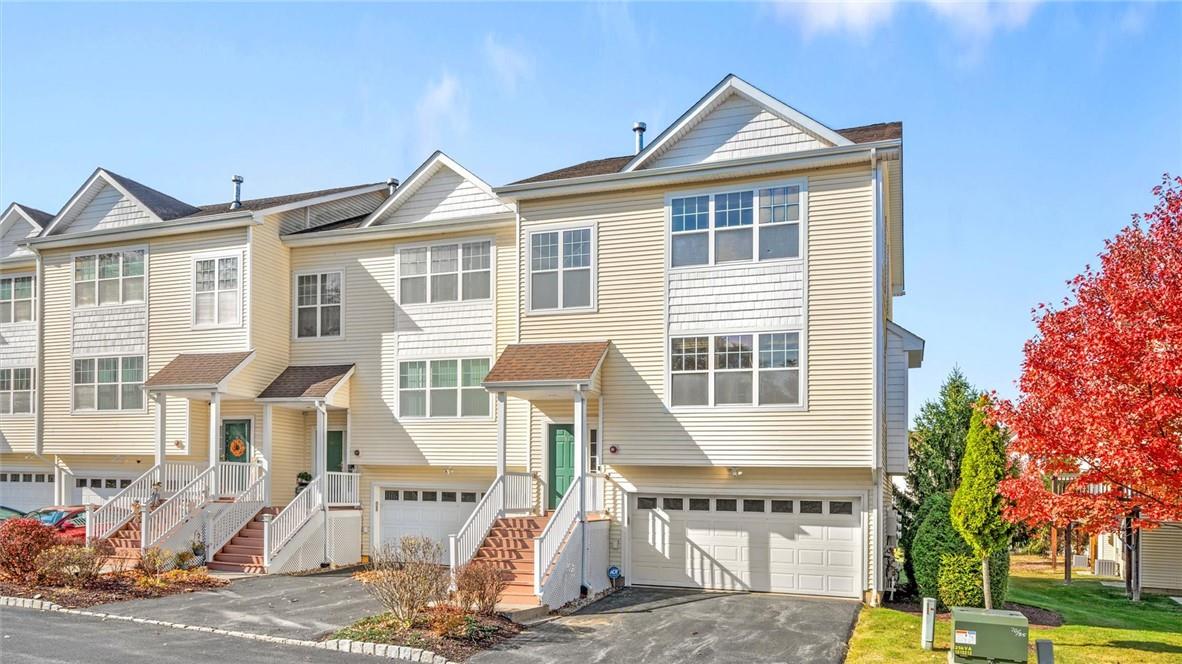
(571, 362)
(727, 87)
(881, 131)
(306, 382)
(198, 370)
(438, 160)
(161, 204)
(36, 218)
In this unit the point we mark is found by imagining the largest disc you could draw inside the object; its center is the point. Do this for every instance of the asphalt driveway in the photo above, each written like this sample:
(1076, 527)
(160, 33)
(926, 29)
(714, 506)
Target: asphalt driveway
(658, 625)
(295, 607)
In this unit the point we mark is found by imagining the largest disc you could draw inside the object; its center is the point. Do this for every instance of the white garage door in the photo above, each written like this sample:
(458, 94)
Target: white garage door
(96, 487)
(26, 490)
(790, 545)
(434, 513)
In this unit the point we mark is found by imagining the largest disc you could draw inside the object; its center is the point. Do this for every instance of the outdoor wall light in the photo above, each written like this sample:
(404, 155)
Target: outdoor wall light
(735, 472)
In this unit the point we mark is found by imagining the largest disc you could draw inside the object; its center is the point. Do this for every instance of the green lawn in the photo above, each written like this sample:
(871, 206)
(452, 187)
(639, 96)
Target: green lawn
(1100, 625)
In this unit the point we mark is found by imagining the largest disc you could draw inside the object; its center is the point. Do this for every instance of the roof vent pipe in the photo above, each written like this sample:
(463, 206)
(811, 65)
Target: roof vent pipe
(638, 128)
(391, 185)
(237, 180)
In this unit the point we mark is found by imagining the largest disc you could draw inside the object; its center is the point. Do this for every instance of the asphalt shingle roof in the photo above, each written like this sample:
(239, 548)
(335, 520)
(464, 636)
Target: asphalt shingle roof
(864, 134)
(306, 382)
(40, 216)
(197, 369)
(524, 363)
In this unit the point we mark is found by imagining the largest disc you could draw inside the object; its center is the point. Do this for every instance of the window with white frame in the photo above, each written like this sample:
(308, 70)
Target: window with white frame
(445, 272)
(443, 388)
(318, 305)
(109, 278)
(561, 270)
(735, 369)
(735, 226)
(16, 299)
(109, 383)
(16, 391)
(216, 291)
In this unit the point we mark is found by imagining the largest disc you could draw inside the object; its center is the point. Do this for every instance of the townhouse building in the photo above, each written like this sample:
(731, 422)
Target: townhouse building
(677, 366)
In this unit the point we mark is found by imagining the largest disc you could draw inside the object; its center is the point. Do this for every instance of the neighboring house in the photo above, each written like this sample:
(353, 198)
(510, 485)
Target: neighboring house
(679, 363)
(1160, 561)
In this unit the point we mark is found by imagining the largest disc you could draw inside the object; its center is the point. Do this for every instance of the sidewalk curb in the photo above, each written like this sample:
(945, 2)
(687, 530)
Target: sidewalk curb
(387, 651)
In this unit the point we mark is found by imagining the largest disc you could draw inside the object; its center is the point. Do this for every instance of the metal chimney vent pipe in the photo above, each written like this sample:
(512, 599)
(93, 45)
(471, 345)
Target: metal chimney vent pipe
(237, 180)
(638, 128)
(391, 185)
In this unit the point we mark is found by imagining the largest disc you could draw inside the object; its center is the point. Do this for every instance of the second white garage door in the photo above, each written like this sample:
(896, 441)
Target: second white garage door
(790, 545)
(26, 491)
(434, 513)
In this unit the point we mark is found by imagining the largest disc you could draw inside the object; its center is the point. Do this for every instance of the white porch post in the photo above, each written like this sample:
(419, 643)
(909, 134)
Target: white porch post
(161, 430)
(320, 446)
(502, 427)
(581, 477)
(215, 432)
(266, 454)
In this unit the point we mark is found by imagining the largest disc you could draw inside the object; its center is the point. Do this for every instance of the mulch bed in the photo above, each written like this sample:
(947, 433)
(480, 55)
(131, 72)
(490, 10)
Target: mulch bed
(480, 633)
(114, 587)
(1037, 617)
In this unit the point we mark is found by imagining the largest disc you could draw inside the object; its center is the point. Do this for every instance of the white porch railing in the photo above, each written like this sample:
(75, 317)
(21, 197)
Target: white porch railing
(343, 489)
(595, 497)
(223, 527)
(288, 522)
(235, 476)
(562, 523)
(118, 510)
(159, 522)
(519, 492)
(511, 492)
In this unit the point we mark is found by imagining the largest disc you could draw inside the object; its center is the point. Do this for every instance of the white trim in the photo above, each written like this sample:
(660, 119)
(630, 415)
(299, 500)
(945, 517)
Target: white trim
(13, 276)
(99, 173)
(459, 388)
(724, 89)
(459, 242)
(33, 383)
(146, 230)
(222, 434)
(755, 406)
(118, 249)
(119, 384)
(527, 257)
(19, 210)
(420, 175)
(240, 254)
(295, 303)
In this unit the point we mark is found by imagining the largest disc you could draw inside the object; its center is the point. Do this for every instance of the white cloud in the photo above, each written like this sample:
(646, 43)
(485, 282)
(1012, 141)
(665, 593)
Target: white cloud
(980, 20)
(508, 64)
(442, 109)
(857, 17)
(616, 19)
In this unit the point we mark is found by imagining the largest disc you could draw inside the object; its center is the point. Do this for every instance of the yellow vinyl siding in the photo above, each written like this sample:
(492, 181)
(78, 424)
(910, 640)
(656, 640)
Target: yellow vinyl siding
(18, 433)
(270, 311)
(368, 341)
(1161, 557)
(169, 333)
(837, 427)
(291, 445)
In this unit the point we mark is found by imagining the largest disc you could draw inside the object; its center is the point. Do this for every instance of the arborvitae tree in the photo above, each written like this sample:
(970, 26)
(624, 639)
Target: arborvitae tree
(977, 506)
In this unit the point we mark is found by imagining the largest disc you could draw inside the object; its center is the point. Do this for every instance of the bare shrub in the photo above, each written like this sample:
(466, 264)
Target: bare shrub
(70, 565)
(154, 561)
(408, 578)
(479, 587)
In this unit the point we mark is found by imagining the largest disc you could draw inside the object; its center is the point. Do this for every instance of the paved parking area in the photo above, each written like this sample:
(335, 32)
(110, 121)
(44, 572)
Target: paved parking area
(658, 625)
(296, 607)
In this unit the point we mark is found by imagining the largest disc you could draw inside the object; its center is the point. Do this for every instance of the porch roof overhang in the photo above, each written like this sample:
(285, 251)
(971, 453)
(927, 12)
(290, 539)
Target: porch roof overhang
(190, 373)
(307, 385)
(548, 369)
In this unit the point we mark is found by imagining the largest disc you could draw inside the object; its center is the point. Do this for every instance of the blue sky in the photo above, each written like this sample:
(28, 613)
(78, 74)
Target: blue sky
(1032, 131)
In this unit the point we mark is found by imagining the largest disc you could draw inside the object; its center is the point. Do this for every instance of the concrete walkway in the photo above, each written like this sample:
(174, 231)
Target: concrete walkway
(295, 607)
(661, 625)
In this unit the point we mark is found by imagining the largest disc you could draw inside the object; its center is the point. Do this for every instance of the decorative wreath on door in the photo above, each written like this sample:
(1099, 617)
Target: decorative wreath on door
(237, 447)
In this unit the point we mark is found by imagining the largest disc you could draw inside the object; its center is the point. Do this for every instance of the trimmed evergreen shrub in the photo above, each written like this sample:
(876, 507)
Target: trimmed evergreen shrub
(937, 541)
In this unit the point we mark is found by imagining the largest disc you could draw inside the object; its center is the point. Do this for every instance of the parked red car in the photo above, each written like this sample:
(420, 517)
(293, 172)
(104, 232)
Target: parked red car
(68, 521)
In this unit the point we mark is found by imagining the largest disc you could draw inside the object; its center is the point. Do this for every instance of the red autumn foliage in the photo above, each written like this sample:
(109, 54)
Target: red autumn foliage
(1101, 385)
(21, 541)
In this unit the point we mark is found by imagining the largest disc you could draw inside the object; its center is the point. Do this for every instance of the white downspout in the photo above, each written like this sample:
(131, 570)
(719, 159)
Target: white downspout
(878, 550)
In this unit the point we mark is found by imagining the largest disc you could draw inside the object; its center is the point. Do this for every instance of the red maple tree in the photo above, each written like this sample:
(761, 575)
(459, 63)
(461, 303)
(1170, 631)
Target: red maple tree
(1101, 386)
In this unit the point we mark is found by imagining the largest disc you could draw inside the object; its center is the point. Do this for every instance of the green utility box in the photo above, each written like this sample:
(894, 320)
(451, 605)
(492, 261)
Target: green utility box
(988, 637)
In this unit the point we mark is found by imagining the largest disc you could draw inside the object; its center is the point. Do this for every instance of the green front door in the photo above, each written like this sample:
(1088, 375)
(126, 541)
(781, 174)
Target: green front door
(336, 451)
(236, 440)
(562, 462)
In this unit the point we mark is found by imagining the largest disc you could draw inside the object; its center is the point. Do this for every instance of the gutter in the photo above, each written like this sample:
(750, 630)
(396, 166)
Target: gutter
(148, 230)
(409, 230)
(806, 159)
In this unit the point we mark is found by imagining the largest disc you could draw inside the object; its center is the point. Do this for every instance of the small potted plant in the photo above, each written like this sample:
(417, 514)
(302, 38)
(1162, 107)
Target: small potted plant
(302, 481)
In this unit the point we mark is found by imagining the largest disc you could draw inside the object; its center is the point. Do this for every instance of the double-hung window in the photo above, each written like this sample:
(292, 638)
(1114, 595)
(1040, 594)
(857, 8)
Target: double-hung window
(443, 388)
(216, 291)
(16, 299)
(109, 383)
(318, 304)
(16, 391)
(561, 272)
(735, 369)
(445, 272)
(109, 278)
(735, 226)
